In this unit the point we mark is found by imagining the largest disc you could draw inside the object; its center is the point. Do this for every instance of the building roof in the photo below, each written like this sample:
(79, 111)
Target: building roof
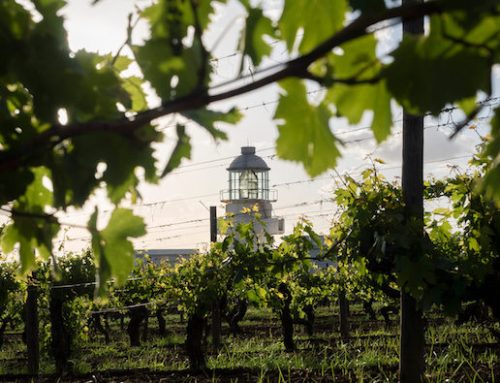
(248, 160)
(170, 256)
(167, 252)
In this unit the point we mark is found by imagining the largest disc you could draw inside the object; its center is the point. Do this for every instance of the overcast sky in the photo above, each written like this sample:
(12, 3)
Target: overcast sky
(180, 201)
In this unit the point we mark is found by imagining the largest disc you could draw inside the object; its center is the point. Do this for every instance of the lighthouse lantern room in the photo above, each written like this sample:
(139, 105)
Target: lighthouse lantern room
(249, 187)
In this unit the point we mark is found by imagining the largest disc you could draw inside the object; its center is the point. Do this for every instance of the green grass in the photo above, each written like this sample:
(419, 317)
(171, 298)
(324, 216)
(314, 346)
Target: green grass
(454, 354)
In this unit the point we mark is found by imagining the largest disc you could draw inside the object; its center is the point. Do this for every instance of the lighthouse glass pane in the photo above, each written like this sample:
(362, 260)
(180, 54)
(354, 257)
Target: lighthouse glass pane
(249, 184)
(234, 185)
(265, 185)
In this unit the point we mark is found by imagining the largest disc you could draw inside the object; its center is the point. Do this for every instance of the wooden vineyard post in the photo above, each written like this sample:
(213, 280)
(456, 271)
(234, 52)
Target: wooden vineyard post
(213, 224)
(343, 316)
(32, 330)
(412, 341)
(216, 314)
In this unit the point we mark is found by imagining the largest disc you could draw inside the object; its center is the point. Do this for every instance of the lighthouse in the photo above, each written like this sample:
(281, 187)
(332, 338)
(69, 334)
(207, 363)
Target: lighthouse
(248, 181)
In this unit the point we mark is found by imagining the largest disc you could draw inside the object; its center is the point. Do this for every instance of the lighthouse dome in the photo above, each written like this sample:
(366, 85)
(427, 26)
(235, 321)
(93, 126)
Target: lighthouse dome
(248, 160)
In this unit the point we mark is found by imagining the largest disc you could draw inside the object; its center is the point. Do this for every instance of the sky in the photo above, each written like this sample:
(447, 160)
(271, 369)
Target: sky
(176, 210)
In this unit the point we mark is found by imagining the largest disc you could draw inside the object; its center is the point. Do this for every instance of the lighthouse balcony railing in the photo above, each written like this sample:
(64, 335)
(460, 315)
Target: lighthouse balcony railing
(270, 195)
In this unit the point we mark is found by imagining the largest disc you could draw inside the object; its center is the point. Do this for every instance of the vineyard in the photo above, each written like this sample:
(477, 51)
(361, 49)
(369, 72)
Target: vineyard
(309, 309)
(402, 283)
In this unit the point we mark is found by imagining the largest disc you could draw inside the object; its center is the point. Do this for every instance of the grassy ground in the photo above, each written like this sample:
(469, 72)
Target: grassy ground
(466, 353)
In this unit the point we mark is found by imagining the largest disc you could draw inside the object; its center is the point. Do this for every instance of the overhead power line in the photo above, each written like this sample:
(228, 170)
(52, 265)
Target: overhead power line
(332, 177)
(290, 183)
(487, 101)
(67, 224)
(351, 141)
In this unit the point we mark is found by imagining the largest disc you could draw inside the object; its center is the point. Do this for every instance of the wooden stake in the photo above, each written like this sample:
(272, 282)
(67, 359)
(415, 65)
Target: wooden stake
(216, 314)
(343, 316)
(412, 341)
(32, 330)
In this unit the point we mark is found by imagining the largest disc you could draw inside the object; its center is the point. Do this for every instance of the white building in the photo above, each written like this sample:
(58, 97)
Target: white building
(168, 256)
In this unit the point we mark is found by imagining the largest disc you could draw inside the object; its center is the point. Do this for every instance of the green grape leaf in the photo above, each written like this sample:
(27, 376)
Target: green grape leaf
(133, 86)
(26, 254)
(171, 74)
(257, 295)
(120, 154)
(32, 233)
(468, 105)
(368, 97)
(189, 76)
(257, 26)
(112, 247)
(415, 275)
(358, 61)
(49, 6)
(172, 18)
(429, 72)
(52, 23)
(117, 191)
(207, 118)
(319, 20)
(304, 131)
(122, 225)
(37, 195)
(17, 22)
(9, 238)
(11, 190)
(182, 150)
(477, 24)
(382, 115)
(169, 20)
(122, 63)
(103, 267)
(159, 64)
(490, 183)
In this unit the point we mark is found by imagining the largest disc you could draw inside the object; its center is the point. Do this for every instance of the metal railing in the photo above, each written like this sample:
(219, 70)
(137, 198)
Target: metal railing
(248, 194)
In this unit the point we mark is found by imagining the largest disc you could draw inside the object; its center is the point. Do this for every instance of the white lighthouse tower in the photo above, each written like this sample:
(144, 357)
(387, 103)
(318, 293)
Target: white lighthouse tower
(249, 187)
